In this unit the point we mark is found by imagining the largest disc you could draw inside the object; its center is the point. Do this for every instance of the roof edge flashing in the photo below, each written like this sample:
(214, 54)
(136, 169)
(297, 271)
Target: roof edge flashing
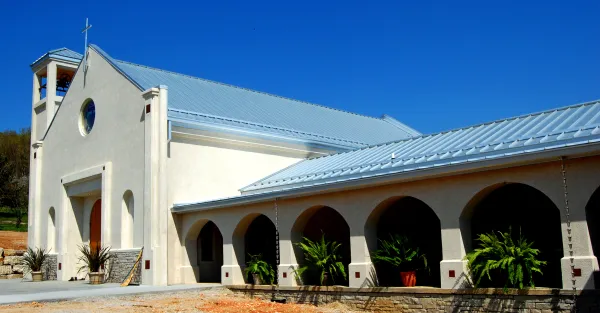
(413, 132)
(387, 178)
(114, 64)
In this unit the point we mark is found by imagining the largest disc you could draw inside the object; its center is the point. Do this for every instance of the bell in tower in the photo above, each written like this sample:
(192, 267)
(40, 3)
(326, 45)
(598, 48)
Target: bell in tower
(52, 76)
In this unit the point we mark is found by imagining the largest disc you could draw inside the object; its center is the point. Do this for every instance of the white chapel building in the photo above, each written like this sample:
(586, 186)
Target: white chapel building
(201, 174)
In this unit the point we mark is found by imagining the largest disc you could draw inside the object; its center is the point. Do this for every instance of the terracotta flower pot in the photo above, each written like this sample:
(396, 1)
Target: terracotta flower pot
(36, 276)
(409, 279)
(96, 278)
(325, 279)
(256, 278)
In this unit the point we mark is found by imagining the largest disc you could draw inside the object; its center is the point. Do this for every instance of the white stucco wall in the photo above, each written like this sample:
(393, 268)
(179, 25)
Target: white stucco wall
(201, 169)
(115, 144)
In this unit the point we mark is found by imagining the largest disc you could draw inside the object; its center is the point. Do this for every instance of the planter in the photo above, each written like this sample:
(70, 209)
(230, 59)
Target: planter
(96, 278)
(36, 276)
(256, 278)
(409, 279)
(325, 279)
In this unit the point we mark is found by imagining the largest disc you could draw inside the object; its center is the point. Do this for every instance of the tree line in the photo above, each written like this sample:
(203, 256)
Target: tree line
(14, 171)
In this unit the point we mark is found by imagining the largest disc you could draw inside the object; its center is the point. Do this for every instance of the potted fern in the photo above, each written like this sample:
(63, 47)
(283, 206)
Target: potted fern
(260, 270)
(33, 260)
(322, 258)
(398, 252)
(498, 252)
(94, 259)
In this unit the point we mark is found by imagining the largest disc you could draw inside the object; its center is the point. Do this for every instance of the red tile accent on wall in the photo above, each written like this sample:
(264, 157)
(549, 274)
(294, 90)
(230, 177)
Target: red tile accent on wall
(226, 274)
(356, 274)
(451, 273)
(147, 108)
(59, 266)
(147, 264)
(577, 272)
(284, 274)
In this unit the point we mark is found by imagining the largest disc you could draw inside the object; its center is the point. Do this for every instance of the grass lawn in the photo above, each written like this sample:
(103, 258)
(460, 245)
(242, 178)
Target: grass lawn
(8, 221)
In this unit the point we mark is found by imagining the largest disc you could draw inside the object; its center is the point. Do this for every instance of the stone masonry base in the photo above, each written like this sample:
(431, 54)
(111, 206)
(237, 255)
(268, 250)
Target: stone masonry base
(49, 267)
(413, 300)
(121, 264)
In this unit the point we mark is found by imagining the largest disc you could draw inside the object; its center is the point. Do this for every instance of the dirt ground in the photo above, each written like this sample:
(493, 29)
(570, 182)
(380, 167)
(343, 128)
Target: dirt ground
(13, 240)
(213, 301)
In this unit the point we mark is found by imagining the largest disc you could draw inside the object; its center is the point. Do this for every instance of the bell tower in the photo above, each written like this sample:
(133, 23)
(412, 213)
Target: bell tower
(52, 76)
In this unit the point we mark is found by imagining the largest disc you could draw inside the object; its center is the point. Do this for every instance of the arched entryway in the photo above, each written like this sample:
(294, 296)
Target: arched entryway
(522, 209)
(410, 217)
(592, 215)
(316, 222)
(96, 225)
(257, 232)
(209, 248)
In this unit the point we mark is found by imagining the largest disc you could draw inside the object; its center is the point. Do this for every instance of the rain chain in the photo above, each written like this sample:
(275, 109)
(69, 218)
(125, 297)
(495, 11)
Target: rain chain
(569, 233)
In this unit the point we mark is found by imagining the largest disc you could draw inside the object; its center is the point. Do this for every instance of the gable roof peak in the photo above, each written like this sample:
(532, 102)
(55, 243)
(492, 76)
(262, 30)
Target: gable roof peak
(201, 101)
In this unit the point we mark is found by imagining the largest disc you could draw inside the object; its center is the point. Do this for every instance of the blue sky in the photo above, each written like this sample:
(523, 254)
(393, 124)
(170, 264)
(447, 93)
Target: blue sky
(432, 65)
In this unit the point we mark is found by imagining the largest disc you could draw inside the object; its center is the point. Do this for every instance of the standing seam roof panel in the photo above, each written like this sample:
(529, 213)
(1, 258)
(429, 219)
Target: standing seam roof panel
(562, 127)
(207, 97)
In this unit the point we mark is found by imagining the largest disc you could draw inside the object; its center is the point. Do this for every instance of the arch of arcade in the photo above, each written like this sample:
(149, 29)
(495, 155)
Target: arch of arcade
(443, 214)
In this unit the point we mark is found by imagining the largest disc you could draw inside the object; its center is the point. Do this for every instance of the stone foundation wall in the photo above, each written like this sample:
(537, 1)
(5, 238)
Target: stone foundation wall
(50, 267)
(122, 264)
(11, 266)
(413, 300)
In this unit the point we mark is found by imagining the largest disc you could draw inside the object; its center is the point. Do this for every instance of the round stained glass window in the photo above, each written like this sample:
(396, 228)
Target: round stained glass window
(88, 115)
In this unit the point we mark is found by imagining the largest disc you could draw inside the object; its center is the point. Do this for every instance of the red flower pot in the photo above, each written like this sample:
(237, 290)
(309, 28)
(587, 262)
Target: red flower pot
(409, 279)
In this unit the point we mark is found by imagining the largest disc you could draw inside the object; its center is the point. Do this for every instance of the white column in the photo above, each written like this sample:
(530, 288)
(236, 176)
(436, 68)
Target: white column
(582, 260)
(360, 271)
(453, 268)
(34, 209)
(287, 256)
(155, 198)
(231, 272)
(50, 93)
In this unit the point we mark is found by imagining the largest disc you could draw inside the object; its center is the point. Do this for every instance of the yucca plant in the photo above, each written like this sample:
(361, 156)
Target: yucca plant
(322, 257)
(257, 266)
(33, 260)
(398, 252)
(93, 258)
(498, 252)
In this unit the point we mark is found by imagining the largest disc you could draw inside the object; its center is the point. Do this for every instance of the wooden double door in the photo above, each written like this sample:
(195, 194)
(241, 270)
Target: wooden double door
(96, 225)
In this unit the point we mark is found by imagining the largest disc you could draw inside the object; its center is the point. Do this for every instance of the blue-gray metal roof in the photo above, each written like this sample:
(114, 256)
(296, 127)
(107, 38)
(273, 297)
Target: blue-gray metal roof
(558, 128)
(60, 54)
(202, 101)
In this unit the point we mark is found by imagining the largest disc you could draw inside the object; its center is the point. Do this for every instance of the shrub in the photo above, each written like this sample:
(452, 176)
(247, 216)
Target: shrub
(322, 257)
(258, 266)
(93, 258)
(33, 260)
(516, 260)
(398, 252)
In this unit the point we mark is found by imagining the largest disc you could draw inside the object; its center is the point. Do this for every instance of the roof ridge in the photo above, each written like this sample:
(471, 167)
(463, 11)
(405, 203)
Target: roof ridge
(59, 49)
(248, 89)
(462, 128)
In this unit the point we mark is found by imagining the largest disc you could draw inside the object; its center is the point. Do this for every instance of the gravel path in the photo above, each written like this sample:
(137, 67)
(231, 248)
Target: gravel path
(216, 300)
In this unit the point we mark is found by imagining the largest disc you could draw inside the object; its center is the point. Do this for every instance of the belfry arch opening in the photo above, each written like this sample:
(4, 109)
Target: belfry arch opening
(204, 245)
(255, 235)
(322, 221)
(592, 215)
(413, 218)
(523, 210)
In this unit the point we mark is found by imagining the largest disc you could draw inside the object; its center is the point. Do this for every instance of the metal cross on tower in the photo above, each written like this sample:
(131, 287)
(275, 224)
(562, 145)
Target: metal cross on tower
(85, 30)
